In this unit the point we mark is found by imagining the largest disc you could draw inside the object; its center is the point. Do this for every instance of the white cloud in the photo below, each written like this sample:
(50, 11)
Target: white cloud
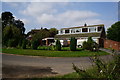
(47, 15)
(69, 18)
(35, 9)
(25, 21)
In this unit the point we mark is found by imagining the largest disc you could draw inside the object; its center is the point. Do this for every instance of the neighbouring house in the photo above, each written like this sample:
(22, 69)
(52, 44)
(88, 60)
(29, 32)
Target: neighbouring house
(46, 41)
(110, 44)
(31, 33)
(81, 33)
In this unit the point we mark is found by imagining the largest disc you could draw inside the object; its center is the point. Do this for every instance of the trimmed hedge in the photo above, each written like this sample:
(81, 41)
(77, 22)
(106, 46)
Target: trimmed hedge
(73, 43)
(58, 45)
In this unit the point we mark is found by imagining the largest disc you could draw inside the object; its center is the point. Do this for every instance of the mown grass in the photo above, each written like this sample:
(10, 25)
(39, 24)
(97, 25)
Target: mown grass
(50, 53)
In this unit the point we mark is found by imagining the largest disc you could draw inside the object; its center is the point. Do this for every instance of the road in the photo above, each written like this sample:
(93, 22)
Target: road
(61, 65)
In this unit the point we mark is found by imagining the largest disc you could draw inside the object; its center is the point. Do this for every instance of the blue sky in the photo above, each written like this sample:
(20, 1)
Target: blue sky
(62, 14)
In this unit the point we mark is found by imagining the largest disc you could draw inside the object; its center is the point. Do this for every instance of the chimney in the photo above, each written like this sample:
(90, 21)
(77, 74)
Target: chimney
(85, 24)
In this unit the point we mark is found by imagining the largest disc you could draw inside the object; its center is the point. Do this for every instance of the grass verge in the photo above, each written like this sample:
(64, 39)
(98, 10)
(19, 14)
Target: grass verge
(49, 53)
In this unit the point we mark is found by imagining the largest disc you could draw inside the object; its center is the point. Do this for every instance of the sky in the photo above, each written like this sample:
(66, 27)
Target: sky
(62, 14)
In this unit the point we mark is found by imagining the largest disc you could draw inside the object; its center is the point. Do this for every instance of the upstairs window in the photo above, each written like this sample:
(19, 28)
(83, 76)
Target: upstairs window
(78, 30)
(84, 29)
(99, 28)
(73, 31)
(92, 29)
(67, 31)
(61, 31)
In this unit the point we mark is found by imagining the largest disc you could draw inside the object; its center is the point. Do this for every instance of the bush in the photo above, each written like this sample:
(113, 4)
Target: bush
(73, 43)
(110, 71)
(58, 45)
(90, 45)
(24, 43)
(35, 44)
(85, 45)
(12, 43)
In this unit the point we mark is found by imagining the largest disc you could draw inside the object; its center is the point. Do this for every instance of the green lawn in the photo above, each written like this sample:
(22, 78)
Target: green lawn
(49, 53)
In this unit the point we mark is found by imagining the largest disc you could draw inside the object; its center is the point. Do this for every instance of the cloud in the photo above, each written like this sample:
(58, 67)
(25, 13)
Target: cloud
(38, 8)
(68, 18)
(25, 21)
(46, 14)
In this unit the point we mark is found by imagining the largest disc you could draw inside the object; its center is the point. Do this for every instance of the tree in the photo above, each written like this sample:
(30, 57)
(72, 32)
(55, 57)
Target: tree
(113, 32)
(7, 19)
(73, 43)
(19, 24)
(12, 30)
(40, 35)
(11, 33)
(58, 45)
(24, 43)
(53, 32)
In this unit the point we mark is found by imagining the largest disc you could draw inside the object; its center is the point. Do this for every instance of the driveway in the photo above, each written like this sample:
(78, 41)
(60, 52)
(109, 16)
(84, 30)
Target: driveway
(59, 65)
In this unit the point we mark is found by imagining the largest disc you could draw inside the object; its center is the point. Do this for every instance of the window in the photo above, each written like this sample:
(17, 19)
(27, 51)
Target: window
(61, 31)
(73, 31)
(99, 28)
(84, 29)
(92, 29)
(78, 30)
(67, 31)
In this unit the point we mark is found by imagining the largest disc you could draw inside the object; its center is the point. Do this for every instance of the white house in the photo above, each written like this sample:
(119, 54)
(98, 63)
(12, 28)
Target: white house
(81, 33)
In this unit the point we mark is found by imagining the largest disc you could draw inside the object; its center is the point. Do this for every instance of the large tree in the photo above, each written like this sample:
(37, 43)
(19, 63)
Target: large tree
(7, 19)
(12, 30)
(53, 32)
(41, 34)
(113, 32)
(12, 34)
(19, 24)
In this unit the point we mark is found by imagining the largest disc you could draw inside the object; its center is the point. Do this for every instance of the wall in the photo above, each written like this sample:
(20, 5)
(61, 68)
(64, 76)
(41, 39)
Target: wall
(111, 44)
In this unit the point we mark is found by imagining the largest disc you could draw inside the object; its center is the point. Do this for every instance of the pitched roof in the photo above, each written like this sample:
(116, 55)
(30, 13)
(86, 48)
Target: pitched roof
(102, 25)
(96, 34)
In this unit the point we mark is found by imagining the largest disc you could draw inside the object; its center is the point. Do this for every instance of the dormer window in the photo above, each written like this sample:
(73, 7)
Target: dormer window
(67, 31)
(78, 30)
(73, 31)
(99, 28)
(84, 29)
(92, 29)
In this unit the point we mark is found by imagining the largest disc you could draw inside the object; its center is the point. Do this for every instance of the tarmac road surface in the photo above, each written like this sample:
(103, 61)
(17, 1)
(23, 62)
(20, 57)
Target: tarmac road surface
(60, 65)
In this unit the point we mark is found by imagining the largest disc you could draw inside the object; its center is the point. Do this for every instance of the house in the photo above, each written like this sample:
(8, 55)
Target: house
(81, 33)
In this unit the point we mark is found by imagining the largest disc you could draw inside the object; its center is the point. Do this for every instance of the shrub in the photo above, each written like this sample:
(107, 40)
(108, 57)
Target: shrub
(90, 45)
(73, 43)
(24, 43)
(35, 44)
(110, 71)
(85, 45)
(58, 45)
(20, 43)
(12, 43)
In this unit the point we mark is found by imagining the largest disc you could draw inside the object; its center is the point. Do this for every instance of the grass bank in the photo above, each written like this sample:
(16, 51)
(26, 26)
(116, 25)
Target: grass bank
(49, 53)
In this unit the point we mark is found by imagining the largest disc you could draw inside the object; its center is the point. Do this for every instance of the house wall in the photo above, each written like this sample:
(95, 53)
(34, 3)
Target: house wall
(111, 44)
(81, 40)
